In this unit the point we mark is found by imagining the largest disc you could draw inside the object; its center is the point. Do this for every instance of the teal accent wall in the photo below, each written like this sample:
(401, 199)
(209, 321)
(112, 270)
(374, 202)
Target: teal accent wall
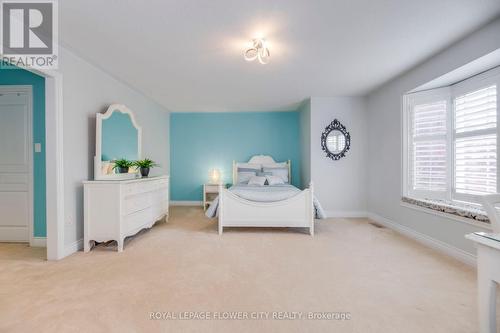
(23, 77)
(119, 138)
(203, 141)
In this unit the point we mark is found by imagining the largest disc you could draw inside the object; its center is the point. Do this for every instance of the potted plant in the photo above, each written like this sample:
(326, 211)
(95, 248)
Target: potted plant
(145, 165)
(123, 165)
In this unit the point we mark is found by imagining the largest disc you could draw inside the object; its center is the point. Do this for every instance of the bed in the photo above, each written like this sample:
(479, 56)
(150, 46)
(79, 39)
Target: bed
(281, 205)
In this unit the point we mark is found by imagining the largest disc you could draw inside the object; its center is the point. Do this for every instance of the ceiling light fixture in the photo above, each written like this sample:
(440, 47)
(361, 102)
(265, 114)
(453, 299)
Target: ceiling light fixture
(259, 50)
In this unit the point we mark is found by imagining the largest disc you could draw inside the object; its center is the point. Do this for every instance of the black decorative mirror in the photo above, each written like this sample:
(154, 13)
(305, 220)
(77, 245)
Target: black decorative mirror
(335, 140)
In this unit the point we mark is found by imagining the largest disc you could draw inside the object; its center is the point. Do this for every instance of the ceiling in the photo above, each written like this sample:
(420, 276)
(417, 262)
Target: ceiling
(188, 54)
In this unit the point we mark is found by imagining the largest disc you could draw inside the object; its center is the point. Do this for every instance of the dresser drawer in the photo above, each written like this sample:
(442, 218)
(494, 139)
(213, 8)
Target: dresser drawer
(136, 202)
(158, 210)
(130, 189)
(137, 220)
(159, 196)
(160, 184)
(143, 187)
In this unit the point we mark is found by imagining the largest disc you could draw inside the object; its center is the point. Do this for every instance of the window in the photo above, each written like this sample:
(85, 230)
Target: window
(429, 146)
(476, 142)
(450, 141)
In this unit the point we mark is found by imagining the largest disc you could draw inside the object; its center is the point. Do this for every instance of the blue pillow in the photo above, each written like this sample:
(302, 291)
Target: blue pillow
(248, 170)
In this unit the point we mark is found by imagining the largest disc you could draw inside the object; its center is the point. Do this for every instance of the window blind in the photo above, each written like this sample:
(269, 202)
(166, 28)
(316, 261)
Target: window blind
(476, 142)
(476, 110)
(429, 152)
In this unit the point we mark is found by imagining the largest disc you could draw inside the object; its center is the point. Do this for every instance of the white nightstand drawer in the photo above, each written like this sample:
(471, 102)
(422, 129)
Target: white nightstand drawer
(211, 188)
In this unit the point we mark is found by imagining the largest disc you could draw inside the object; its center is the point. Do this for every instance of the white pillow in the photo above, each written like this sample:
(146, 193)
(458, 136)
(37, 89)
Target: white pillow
(257, 180)
(244, 177)
(281, 172)
(274, 180)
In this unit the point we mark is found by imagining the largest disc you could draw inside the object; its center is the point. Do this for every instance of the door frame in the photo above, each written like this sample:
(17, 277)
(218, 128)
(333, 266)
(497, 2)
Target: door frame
(54, 165)
(54, 174)
(28, 90)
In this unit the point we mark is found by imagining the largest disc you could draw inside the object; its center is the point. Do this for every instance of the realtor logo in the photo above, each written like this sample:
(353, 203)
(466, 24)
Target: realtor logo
(29, 31)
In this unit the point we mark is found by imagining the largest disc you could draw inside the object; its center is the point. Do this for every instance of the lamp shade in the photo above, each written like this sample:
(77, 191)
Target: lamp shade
(214, 176)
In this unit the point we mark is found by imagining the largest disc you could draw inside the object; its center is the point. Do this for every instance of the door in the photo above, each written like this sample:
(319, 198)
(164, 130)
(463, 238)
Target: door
(15, 165)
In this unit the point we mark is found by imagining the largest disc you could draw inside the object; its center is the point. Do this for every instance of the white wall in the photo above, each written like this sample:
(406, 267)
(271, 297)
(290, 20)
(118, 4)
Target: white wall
(86, 91)
(384, 140)
(305, 143)
(340, 186)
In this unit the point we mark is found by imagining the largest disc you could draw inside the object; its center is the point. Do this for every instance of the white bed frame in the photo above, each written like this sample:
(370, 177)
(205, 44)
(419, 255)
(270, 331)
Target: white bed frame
(297, 211)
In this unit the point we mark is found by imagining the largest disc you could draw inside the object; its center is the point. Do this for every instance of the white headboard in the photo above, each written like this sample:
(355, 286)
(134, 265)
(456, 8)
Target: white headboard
(261, 159)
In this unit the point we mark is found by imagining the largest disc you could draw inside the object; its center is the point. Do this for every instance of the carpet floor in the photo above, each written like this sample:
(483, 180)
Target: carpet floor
(352, 276)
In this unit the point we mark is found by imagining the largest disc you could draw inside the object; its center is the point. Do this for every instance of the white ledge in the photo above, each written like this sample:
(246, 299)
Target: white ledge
(482, 224)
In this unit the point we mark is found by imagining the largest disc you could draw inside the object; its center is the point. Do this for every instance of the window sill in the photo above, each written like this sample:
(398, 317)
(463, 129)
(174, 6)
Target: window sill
(460, 212)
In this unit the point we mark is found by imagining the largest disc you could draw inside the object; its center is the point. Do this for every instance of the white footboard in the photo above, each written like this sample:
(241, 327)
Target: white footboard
(297, 211)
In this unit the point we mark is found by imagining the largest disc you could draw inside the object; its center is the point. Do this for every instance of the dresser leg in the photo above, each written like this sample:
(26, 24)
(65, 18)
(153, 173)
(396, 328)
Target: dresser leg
(487, 304)
(487, 287)
(120, 245)
(88, 245)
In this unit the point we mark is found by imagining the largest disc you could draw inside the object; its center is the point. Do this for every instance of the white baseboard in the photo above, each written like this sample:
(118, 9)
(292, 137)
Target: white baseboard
(346, 214)
(186, 203)
(69, 249)
(438, 245)
(14, 234)
(38, 242)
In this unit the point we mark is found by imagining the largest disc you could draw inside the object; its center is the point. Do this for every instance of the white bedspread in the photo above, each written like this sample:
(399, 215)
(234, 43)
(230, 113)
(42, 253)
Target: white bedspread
(265, 193)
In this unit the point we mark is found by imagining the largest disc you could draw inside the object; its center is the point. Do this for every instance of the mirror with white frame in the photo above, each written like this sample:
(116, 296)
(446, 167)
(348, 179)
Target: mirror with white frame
(118, 137)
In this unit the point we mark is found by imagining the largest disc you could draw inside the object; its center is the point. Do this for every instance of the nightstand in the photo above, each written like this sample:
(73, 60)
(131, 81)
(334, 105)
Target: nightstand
(210, 191)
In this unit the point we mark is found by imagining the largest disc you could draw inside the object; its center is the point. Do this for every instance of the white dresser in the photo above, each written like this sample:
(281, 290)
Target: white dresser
(119, 208)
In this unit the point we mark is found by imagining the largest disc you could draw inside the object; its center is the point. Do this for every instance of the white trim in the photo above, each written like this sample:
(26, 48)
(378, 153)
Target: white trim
(12, 234)
(346, 214)
(446, 215)
(98, 140)
(433, 243)
(73, 247)
(28, 91)
(38, 242)
(186, 203)
(54, 164)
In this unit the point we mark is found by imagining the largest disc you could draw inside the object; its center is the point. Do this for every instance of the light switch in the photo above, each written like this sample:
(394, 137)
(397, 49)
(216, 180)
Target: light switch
(38, 147)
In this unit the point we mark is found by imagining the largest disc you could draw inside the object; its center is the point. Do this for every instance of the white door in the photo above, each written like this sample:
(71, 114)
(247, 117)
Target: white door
(15, 165)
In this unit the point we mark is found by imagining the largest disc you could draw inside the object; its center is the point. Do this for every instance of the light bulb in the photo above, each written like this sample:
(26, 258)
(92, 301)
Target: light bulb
(251, 54)
(259, 51)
